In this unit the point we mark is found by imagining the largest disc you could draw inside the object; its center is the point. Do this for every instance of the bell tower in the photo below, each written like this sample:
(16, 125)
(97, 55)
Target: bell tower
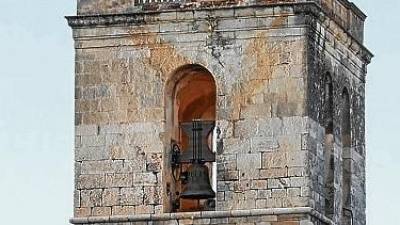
(219, 112)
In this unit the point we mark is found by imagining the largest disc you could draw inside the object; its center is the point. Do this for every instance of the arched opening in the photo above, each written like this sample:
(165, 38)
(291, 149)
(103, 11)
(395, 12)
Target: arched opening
(190, 95)
(346, 159)
(329, 166)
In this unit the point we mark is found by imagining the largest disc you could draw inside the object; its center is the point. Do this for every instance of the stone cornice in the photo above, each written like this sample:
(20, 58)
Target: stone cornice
(141, 17)
(354, 8)
(144, 17)
(201, 215)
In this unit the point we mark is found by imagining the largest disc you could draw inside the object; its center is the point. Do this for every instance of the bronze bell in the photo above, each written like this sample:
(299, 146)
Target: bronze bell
(198, 186)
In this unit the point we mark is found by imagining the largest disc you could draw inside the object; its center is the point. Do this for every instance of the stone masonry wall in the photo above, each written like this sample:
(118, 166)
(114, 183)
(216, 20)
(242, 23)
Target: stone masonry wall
(267, 62)
(257, 57)
(335, 56)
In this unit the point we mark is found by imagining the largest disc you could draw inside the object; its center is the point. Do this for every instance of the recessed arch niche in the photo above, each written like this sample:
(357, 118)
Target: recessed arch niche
(190, 94)
(329, 166)
(346, 158)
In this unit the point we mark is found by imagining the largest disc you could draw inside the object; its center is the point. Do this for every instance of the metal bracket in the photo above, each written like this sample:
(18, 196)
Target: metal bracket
(175, 158)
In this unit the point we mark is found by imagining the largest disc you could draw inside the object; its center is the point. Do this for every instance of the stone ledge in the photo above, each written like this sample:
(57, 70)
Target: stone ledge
(143, 17)
(201, 215)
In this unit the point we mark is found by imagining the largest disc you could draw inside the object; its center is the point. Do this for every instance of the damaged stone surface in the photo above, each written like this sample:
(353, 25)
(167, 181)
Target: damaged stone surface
(268, 63)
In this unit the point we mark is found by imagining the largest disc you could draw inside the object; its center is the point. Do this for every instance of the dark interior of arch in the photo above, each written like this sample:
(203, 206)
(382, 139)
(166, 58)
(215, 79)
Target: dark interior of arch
(329, 148)
(346, 158)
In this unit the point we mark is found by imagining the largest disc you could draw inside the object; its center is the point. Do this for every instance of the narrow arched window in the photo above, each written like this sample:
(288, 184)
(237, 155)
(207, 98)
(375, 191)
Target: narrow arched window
(329, 147)
(346, 159)
(191, 96)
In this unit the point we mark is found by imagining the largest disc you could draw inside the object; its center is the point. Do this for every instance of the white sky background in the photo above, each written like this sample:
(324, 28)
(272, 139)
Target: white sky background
(36, 111)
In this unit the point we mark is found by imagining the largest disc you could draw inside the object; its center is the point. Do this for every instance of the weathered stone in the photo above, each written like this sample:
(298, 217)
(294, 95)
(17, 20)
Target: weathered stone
(267, 87)
(249, 165)
(91, 181)
(273, 173)
(91, 153)
(90, 198)
(101, 211)
(110, 197)
(131, 196)
(82, 212)
(119, 180)
(123, 210)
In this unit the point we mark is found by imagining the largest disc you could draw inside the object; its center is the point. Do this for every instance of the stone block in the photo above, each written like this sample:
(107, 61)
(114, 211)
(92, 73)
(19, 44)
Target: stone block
(296, 202)
(265, 22)
(294, 125)
(131, 196)
(218, 221)
(144, 209)
(263, 144)
(297, 171)
(236, 146)
(123, 210)
(264, 194)
(289, 143)
(152, 195)
(118, 116)
(259, 184)
(294, 192)
(145, 178)
(277, 159)
(103, 91)
(245, 12)
(91, 198)
(280, 71)
(297, 159)
(96, 167)
(77, 199)
(245, 128)
(91, 181)
(231, 175)
(261, 203)
(273, 173)
(242, 185)
(185, 15)
(86, 130)
(278, 193)
(133, 165)
(168, 16)
(117, 140)
(278, 183)
(202, 221)
(118, 152)
(110, 197)
(101, 211)
(257, 109)
(154, 162)
(249, 165)
(297, 181)
(82, 212)
(119, 180)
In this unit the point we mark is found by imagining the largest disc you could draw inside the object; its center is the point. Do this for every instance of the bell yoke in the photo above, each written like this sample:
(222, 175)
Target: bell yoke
(196, 155)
